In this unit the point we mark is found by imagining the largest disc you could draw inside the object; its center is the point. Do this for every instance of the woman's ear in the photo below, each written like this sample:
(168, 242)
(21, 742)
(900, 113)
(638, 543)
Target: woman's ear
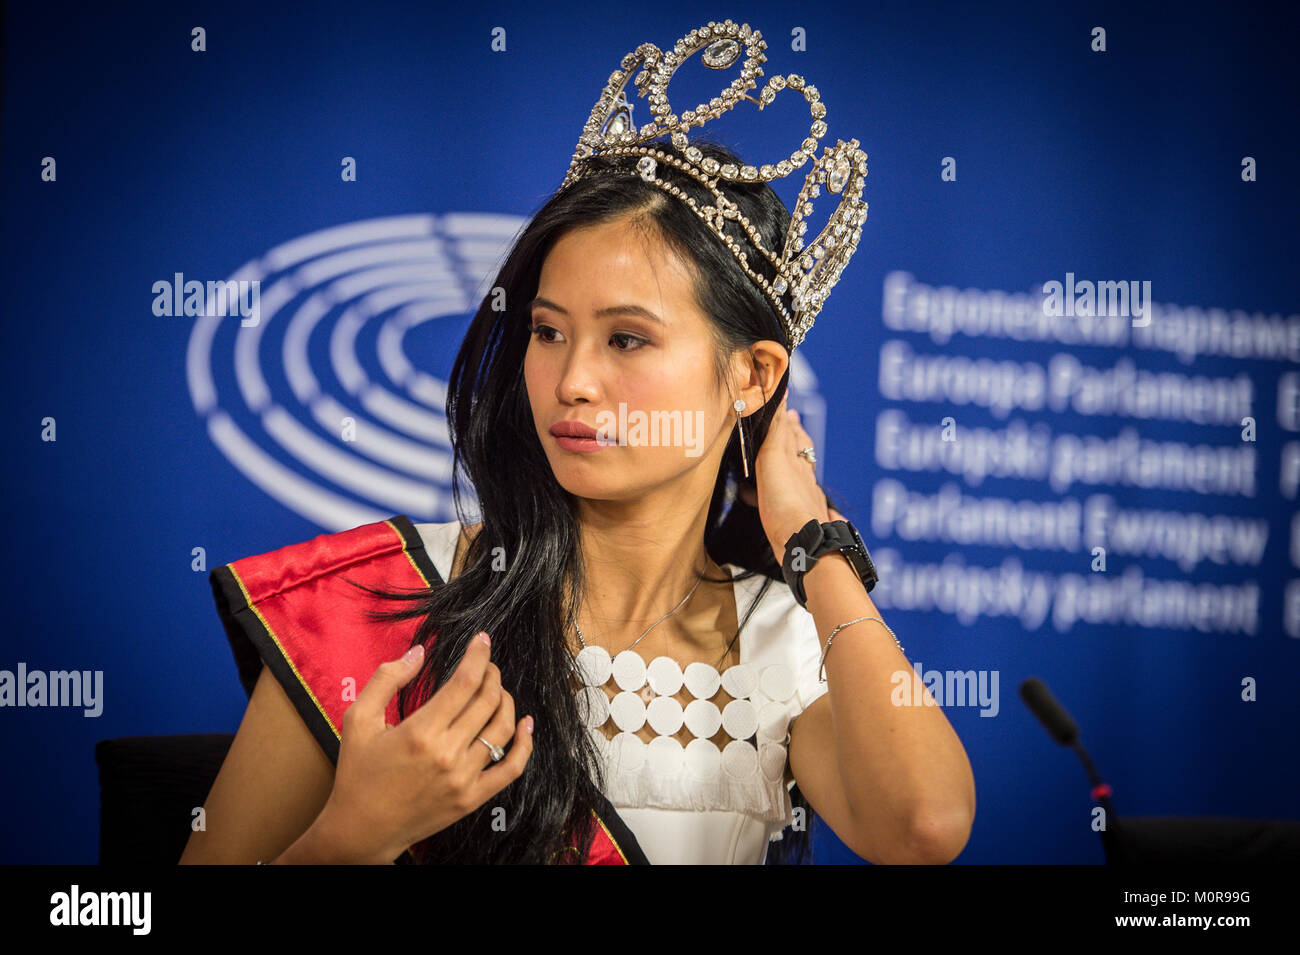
(772, 361)
(758, 373)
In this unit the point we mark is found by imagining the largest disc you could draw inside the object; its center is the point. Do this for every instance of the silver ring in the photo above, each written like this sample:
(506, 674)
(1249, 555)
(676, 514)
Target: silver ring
(497, 752)
(807, 453)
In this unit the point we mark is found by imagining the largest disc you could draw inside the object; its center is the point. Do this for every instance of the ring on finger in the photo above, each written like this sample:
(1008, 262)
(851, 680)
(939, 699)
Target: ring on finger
(497, 752)
(807, 453)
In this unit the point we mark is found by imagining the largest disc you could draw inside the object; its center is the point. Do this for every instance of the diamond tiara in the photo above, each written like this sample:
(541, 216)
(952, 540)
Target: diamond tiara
(809, 274)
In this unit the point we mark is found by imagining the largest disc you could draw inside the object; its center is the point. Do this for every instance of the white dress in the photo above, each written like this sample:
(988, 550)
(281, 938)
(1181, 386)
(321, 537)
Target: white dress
(699, 804)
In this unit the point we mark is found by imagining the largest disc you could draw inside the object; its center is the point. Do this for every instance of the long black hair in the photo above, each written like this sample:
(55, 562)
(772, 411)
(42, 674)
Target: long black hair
(528, 517)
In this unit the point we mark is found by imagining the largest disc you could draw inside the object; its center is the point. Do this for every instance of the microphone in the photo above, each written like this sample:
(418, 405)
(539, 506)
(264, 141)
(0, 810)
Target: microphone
(1065, 731)
(1165, 839)
(1050, 713)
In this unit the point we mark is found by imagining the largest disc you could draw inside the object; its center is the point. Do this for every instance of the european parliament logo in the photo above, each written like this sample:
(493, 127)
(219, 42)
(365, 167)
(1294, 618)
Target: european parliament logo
(322, 396)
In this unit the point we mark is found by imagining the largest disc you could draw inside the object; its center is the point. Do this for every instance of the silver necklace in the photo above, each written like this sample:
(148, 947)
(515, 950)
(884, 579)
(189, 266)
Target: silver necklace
(653, 625)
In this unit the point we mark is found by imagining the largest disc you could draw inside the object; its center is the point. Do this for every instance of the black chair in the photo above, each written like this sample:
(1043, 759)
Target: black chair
(1188, 840)
(149, 787)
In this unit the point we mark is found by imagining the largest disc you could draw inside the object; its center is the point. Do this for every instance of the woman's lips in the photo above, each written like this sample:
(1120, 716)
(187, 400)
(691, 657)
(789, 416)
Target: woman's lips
(580, 436)
(570, 443)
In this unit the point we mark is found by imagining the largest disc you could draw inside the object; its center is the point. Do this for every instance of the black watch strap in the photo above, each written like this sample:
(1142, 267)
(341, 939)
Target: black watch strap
(817, 538)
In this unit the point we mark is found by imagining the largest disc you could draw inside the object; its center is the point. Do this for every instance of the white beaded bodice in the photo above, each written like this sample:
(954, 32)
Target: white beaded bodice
(743, 772)
(711, 785)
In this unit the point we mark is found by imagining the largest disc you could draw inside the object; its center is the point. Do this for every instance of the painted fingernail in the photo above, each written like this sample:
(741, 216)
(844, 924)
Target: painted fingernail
(484, 637)
(528, 724)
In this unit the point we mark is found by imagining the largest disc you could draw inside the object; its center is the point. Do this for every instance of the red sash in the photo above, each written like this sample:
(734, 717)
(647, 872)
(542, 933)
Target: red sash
(291, 610)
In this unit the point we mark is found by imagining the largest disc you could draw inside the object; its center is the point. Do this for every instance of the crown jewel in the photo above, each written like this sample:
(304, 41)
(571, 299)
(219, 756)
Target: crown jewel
(808, 273)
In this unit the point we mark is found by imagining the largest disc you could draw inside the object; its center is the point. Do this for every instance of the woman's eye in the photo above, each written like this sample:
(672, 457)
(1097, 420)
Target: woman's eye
(635, 343)
(537, 331)
(639, 342)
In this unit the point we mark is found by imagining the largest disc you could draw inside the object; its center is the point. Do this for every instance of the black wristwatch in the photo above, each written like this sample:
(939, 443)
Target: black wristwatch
(816, 538)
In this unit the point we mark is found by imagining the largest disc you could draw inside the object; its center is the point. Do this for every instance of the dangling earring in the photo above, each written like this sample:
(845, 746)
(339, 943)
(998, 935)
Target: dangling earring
(739, 405)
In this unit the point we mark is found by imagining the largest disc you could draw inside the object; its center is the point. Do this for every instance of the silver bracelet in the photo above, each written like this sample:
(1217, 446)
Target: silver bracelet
(821, 667)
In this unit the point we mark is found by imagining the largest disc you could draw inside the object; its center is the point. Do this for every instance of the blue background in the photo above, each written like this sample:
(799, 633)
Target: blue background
(1118, 164)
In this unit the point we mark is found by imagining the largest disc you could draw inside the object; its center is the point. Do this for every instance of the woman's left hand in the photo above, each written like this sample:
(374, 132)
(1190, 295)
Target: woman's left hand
(788, 494)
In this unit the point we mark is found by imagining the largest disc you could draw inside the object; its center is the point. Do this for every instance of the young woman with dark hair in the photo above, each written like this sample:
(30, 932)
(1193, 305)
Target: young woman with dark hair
(609, 574)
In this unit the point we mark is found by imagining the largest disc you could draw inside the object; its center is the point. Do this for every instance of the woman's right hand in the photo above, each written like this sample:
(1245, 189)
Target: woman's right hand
(397, 785)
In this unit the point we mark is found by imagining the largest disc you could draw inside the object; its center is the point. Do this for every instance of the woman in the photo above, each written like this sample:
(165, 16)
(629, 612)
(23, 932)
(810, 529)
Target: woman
(618, 299)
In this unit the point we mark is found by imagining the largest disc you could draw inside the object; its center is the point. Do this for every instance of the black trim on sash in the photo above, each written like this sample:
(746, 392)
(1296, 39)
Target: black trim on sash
(620, 831)
(252, 645)
(415, 547)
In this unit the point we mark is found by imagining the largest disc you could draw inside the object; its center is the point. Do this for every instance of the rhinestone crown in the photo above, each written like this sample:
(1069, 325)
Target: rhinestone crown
(809, 273)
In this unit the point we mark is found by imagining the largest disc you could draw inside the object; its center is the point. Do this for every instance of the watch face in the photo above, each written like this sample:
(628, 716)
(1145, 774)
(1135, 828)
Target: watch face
(860, 559)
(857, 539)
